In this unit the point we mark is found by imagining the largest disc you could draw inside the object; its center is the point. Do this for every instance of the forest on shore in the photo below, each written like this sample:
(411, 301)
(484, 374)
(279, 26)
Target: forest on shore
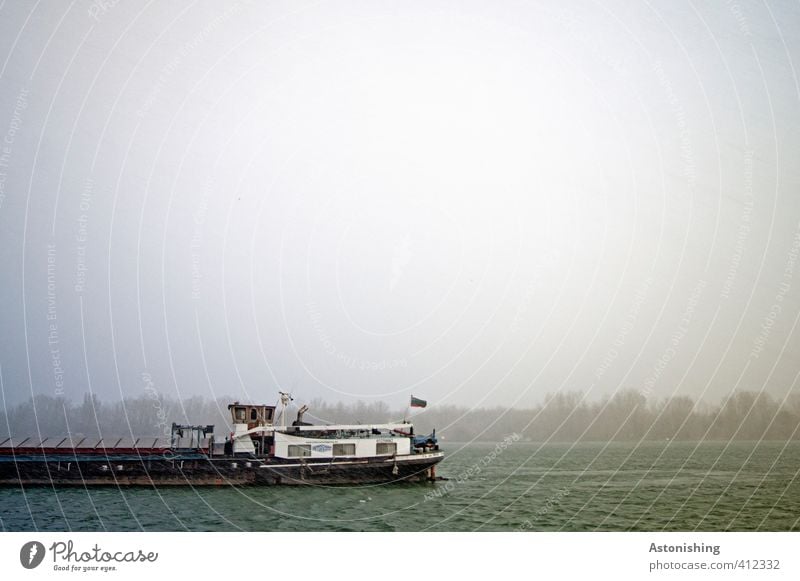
(561, 417)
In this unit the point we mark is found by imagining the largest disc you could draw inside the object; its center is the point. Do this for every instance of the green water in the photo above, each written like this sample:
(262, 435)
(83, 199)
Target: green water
(615, 487)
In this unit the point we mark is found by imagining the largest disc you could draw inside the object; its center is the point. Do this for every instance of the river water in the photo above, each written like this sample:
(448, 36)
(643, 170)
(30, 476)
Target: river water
(524, 486)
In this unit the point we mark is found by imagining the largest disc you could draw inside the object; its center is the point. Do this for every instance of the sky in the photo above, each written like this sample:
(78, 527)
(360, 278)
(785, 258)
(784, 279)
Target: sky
(477, 203)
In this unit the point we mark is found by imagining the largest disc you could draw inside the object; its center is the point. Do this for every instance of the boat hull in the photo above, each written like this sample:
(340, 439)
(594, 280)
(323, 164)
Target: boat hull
(201, 470)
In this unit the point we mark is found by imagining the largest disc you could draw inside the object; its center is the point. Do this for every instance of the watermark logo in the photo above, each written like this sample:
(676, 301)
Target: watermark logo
(31, 554)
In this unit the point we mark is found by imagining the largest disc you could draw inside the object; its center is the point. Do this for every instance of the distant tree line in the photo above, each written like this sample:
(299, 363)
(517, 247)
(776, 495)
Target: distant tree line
(625, 416)
(137, 416)
(561, 417)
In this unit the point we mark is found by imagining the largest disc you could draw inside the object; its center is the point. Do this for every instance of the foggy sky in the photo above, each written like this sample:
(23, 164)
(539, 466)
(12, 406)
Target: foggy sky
(473, 202)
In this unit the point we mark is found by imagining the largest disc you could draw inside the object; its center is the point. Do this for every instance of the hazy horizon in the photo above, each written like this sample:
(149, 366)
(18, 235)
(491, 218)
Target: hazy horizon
(627, 416)
(474, 203)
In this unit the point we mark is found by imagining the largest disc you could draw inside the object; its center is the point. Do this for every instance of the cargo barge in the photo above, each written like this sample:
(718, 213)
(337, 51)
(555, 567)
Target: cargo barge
(256, 452)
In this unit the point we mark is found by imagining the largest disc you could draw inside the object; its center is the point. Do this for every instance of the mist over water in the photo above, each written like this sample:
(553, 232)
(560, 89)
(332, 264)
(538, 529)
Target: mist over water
(563, 417)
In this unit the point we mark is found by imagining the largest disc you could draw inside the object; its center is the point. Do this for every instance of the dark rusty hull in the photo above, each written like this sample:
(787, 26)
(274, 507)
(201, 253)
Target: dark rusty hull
(379, 470)
(200, 470)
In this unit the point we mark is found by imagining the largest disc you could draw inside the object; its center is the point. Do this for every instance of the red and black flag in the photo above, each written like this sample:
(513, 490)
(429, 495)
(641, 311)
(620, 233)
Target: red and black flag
(418, 403)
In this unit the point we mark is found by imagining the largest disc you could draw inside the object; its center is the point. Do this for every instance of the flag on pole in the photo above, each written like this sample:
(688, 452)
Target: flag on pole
(418, 403)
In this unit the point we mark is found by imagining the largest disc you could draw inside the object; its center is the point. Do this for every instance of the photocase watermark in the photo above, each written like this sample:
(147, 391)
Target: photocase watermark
(684, 136)
(8, 140)
(474, 469)
(31, 554)
(783, 289)
(745, 225)
(577, 29)
(101, 7)
(67, 558)
(738, 14)
(401, 256)
(16, 117)
(151, 392)
(627, 326)
(52, 322)
(676, 338)
(196, 243)
(552, 501)
(349, 361)
(81, 236)
(168, 70)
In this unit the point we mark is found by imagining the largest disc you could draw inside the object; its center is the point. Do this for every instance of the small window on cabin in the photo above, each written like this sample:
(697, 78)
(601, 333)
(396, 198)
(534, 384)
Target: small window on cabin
(382, 448)
(344, 449)
(240, 414)
(253, 414)
(296, 451)
(268, 415)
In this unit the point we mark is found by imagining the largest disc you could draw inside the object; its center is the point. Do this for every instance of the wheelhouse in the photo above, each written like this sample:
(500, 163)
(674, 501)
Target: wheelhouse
(252, 415)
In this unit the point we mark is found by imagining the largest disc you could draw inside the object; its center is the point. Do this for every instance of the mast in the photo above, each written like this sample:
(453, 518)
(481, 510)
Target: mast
(285, 399)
